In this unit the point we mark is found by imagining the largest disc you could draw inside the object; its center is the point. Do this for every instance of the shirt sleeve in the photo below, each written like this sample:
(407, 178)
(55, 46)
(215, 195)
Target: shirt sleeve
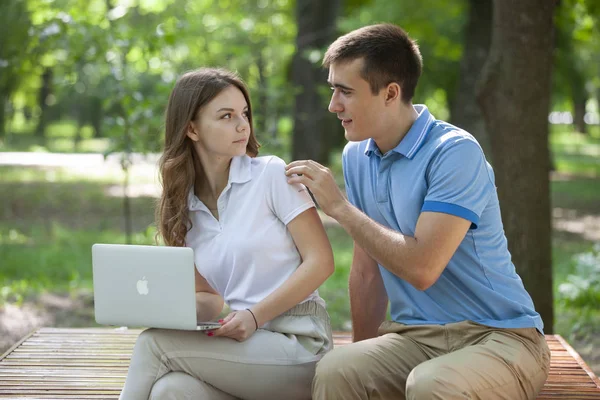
(285, 200)
(459, 182)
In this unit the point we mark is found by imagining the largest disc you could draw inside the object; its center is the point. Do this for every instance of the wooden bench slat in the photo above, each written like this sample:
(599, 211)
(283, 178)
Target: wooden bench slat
(4, 380)
(30, 392)
(91, 363)
(70, 385)
(84, 356)
(83, 373)
(55, 396)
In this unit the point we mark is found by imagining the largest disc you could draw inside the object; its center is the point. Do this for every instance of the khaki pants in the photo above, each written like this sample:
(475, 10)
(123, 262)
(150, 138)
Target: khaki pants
(276, 362)
(463, 360)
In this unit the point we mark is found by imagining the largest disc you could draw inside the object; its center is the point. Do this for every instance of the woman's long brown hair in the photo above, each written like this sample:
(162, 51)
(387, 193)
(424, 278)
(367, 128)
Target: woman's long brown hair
(178, 165)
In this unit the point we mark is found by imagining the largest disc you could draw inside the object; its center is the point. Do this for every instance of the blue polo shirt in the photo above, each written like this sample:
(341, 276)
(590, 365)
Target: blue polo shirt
(441, 168)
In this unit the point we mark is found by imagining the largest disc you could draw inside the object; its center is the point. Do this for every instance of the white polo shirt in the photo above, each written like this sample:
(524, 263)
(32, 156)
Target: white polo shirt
(248, 252)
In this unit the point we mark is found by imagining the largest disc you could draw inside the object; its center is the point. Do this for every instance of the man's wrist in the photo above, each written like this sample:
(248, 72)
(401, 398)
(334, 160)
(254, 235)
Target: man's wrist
(340, 209)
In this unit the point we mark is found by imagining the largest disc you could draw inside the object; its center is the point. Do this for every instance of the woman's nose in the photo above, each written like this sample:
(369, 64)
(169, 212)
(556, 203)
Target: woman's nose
(243, 125)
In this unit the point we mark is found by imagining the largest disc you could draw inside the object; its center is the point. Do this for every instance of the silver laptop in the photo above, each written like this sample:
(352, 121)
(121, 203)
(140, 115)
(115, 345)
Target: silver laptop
(149, 286)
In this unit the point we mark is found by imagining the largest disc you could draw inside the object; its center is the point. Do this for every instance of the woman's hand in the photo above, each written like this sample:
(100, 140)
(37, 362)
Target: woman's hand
(238, 325)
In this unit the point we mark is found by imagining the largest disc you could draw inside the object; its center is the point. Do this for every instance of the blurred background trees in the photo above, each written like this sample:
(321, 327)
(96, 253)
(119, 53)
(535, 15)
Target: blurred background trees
(93, 77)
(108, 65)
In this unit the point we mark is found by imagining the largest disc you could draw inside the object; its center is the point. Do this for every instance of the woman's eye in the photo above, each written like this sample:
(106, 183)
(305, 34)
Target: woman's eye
(226, 116)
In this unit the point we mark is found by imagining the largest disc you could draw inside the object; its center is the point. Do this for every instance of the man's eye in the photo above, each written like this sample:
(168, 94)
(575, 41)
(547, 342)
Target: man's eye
(342, 91)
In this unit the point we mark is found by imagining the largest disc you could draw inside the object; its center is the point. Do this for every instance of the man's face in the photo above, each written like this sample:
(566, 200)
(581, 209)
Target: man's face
(352, 100)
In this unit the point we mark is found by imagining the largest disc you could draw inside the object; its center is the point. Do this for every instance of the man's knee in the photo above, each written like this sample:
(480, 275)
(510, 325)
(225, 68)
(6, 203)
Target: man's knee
(338, 364)
(426, 383)
(335, 375)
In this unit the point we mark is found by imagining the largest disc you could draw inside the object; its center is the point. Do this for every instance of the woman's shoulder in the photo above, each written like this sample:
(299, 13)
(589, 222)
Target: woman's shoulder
(268, 164)
(268, 170)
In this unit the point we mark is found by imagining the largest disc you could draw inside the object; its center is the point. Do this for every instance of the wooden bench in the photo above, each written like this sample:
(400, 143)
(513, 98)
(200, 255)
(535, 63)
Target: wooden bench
(91, 363)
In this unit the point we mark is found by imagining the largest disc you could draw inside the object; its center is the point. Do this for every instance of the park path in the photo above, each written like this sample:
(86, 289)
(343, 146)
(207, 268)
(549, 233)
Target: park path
(67, 160)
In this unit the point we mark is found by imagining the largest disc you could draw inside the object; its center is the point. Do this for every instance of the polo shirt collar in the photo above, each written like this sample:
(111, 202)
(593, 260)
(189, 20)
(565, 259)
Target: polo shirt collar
(240, 171)
(411, 143)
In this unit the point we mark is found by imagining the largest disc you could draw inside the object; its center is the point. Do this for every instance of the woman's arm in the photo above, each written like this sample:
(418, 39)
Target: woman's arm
(317, 265)
(208, 302)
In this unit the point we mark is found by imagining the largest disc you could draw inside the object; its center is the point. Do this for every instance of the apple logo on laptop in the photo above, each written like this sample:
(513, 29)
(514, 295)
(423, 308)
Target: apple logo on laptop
(142, 286)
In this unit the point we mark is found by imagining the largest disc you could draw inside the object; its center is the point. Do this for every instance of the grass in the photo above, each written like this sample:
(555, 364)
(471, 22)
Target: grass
(49, 218)
(59, 139)
(50, 259)
(575, 153)
(56, 258)
(48, 230)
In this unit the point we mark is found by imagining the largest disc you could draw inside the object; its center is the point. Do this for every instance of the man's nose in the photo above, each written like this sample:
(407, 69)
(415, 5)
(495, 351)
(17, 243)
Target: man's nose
(334, 105)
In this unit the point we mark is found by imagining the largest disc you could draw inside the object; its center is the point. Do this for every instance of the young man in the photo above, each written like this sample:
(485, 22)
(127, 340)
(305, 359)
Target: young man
(423, 211)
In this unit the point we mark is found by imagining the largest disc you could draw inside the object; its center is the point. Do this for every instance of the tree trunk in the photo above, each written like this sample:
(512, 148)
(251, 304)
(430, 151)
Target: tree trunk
(465, 111)
(261, 118)
(316, 29)
(96, 114)
(45, 91)
(579, 100)
(515, 99)
(80, 111)
(127, 218)
(2, 115)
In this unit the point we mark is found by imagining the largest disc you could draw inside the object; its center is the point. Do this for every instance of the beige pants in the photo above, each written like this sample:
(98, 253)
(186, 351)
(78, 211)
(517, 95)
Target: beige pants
(276, 362)
(461, 360)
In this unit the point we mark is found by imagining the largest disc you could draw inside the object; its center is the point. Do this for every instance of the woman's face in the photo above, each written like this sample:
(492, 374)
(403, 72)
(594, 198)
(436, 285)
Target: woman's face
(221, 127)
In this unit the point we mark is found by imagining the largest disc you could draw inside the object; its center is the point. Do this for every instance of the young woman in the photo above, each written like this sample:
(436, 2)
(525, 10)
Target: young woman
(259, 246)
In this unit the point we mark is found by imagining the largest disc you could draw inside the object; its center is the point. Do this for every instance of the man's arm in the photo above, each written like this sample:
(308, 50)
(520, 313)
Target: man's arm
(368, 298)
(419, 260)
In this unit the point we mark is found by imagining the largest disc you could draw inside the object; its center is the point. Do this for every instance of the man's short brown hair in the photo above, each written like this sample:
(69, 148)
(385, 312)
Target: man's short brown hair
(389, 55)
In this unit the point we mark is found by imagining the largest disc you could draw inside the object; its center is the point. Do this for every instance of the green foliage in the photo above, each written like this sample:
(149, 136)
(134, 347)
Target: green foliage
(116, 62)
(578, 296)
(577, 53)
(437, 28)
(14, 41)
(576, 153)
(54, 258)
(582, 288)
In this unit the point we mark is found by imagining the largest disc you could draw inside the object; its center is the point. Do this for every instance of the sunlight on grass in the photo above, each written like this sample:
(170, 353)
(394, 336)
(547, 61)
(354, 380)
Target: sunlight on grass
(577, 189)
(51, 217)
(54, 145)
(53, 258)
(57, 258)
(138, 174)
(59, 138)
(576, 153)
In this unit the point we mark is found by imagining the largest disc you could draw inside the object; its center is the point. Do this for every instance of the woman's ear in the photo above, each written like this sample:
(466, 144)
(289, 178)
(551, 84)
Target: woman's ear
(192, 133)
(393, 93)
